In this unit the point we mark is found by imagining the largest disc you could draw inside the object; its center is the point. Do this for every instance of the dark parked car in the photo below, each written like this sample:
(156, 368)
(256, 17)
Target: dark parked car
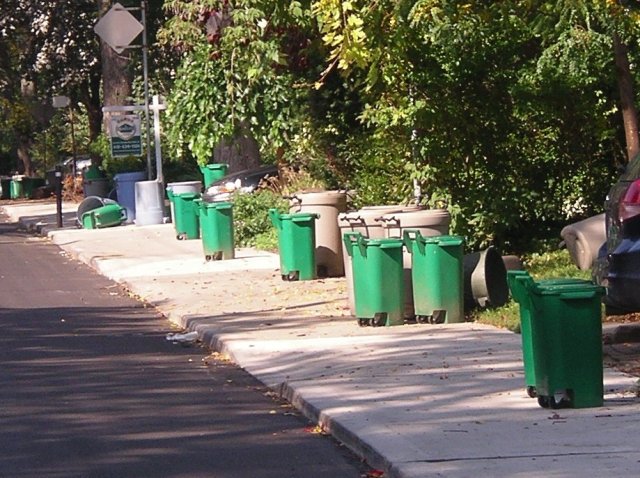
(618, 263)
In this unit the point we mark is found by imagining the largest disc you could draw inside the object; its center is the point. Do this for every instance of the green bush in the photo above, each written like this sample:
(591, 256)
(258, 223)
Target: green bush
(252, 226)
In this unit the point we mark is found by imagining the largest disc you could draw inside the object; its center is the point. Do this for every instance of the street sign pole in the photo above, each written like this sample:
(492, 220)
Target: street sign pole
(145, 72)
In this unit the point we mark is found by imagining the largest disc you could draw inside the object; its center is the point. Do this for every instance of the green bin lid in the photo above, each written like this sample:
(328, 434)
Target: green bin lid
(566, 289)
(217, 205)
(444, 240)
(187, 195)
(298, 216)
(384, 243)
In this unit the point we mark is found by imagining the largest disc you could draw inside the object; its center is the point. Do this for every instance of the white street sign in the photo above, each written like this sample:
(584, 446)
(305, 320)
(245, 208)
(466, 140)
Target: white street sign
(118, 28)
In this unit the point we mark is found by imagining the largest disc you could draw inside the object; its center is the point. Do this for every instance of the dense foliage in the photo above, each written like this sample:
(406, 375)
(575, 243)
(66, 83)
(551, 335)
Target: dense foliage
(510, 112)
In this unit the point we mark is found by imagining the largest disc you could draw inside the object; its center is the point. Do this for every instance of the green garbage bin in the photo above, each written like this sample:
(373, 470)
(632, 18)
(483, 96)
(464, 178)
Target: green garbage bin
(296, 244)
(187, 224)
(378, 280)
(17, 188)
(436, 274)
(516, 280)
(105, 216)
(566, 340)
(213, 172)
(216, 229)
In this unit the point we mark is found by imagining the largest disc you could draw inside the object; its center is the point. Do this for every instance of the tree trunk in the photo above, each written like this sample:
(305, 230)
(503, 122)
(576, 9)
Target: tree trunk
(627, 103)
(116, 72)
(24, 145)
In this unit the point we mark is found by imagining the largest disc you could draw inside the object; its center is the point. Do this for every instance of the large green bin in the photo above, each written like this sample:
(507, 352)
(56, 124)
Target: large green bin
(186, 223)
(296, 244)
(566, 339)
(517, 280)
(378, 279)
(436, 274)
(105, 216)
(213, 172)
(216, 229)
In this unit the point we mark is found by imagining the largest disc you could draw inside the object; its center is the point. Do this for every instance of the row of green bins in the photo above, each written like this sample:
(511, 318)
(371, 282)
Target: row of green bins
(216, 229)
(105, 216)
(378, 280)
(296, 244)
(186, 222)
(213, 172)
(437, 277)
(561, 327)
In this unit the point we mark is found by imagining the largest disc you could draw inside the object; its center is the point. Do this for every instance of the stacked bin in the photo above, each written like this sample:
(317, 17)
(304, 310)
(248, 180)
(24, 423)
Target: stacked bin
(296, 243)
(186, 223)
(436, 275)
(377, 279)
(562, 340)
(216, 229)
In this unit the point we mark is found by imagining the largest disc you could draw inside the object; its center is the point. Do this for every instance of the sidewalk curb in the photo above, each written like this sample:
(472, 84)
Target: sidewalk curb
(621, 333)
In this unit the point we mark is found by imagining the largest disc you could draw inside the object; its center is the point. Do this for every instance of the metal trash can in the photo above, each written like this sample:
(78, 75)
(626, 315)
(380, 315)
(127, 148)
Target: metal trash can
(187, 225)
(377, 279)
(216, 229)
(296, 243)
(213, 172)
(429, 222)
(566, 342)
(436, 274)
(328, 205)
(362, 221)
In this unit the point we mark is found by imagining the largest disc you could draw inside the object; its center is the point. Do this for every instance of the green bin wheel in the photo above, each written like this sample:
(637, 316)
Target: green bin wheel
(379, 319)
(438, 316)
(531, 391)
(214, 257)
(364, 322)
(181, 237)
(544, 401)
(291, 276)
(423, 319)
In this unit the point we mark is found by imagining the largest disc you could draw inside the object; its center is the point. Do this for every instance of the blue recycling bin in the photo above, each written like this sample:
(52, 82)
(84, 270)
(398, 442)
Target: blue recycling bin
(126, 191)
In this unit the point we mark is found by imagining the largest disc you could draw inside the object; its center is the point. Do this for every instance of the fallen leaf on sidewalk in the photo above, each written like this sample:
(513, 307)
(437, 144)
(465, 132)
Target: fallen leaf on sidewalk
(317, 430)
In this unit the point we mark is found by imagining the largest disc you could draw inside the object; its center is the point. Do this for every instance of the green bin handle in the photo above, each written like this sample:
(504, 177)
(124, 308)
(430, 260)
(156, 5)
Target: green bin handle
(306, 218)
(350, 239)
(413, 235)
(276, 220)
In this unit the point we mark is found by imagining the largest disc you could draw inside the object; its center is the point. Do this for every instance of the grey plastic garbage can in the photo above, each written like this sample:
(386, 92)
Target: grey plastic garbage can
(329, 247)
(429, 222)
(126, 191)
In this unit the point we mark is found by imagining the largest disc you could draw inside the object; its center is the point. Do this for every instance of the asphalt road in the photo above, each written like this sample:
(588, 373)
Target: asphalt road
(90, 387)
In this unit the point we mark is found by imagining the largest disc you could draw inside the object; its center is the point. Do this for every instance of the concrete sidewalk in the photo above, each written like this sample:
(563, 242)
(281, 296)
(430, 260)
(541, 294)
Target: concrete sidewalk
(414, 400)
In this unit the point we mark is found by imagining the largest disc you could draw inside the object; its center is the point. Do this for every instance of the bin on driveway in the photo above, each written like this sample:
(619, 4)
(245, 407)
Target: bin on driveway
(187, 224)
(565, 341)
(296, 243)
(377, 279)
(436, 274)
(216, 229)
(519, 281)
